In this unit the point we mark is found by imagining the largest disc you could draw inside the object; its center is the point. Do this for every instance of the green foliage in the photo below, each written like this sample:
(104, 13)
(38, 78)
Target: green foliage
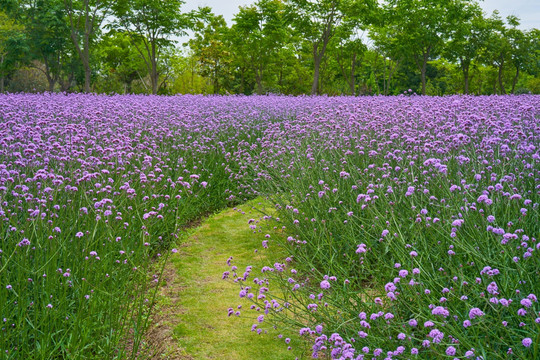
(121, 62)
(213, 54)
(334, 47)
(13, 46)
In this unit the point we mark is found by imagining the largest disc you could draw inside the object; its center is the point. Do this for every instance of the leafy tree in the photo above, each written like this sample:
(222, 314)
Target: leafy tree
(185, 76)
(520, 43)
(152, 23)
(319, 21)
(467, 39)
(85, 19)
(497, 48)
(212, 51)
(259, 34)
(349, 52)
(12, 46)
(422, 27)
(121, 60)
(48, 34)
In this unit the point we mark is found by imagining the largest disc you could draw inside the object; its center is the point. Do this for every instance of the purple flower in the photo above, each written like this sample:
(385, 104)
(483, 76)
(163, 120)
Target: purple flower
(450, 351)
(325, 284)
(390, 287)
(24, 242)
(475, 312)
(527, 342)
(439, 310)
(362, 248)
(492, 288)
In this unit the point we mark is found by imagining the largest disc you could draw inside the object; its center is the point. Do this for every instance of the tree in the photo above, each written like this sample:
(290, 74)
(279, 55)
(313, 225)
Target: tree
(121, 59)
(319, 21)
(423, 26)
(152, 23)
(520, 43)
(393, 51)
(349, 55)
(12, 46)
(85, 19)
(211, 48)
(467, 39)
(48, 34)
(497, 48)
(259, 34)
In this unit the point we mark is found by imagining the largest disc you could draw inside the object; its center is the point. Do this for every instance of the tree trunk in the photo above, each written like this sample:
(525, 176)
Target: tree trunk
(515, 79)
(258, 80)
(466, 80)
(86, 49)
(2, 76)
(316, 70)
(242, 80)
(154, 75)
(52, 82)
(422, 66)
(87, 73)
(84, 53)
(154, 80)
(352, 83)
(259, 83)
(501, 85)
(392, 70)
(423, 76)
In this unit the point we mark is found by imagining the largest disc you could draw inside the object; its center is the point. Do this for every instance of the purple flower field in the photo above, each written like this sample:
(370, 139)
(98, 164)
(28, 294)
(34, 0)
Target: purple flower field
(411, 223)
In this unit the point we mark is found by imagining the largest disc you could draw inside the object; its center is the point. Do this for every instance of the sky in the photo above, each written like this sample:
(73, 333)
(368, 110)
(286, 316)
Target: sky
(527, 10)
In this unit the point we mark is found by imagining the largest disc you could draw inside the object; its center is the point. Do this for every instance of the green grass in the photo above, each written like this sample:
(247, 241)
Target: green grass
(203, 330)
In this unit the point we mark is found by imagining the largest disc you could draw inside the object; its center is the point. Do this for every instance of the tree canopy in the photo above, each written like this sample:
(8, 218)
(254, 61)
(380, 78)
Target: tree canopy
(334, 47)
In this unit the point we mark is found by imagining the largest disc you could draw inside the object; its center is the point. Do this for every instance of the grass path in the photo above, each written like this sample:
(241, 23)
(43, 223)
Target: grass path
(191, 319)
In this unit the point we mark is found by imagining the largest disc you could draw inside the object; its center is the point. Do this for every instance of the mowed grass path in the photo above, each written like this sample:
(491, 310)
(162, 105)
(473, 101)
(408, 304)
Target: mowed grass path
(192, 307)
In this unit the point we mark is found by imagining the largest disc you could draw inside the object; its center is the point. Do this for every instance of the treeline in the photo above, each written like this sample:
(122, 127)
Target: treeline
(334, 47)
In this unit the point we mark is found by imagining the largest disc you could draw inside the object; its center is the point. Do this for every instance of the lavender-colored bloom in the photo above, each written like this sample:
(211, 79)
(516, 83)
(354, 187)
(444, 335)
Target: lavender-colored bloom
(475, 312)
(428, 324)
(403, 273)
(439, 310)
(493, 289)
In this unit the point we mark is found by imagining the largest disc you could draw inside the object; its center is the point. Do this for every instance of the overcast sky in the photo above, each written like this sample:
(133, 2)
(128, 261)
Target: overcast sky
(527, 10)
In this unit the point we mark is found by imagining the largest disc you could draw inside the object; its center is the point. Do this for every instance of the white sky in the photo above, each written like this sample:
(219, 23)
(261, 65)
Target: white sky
(527, 10)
